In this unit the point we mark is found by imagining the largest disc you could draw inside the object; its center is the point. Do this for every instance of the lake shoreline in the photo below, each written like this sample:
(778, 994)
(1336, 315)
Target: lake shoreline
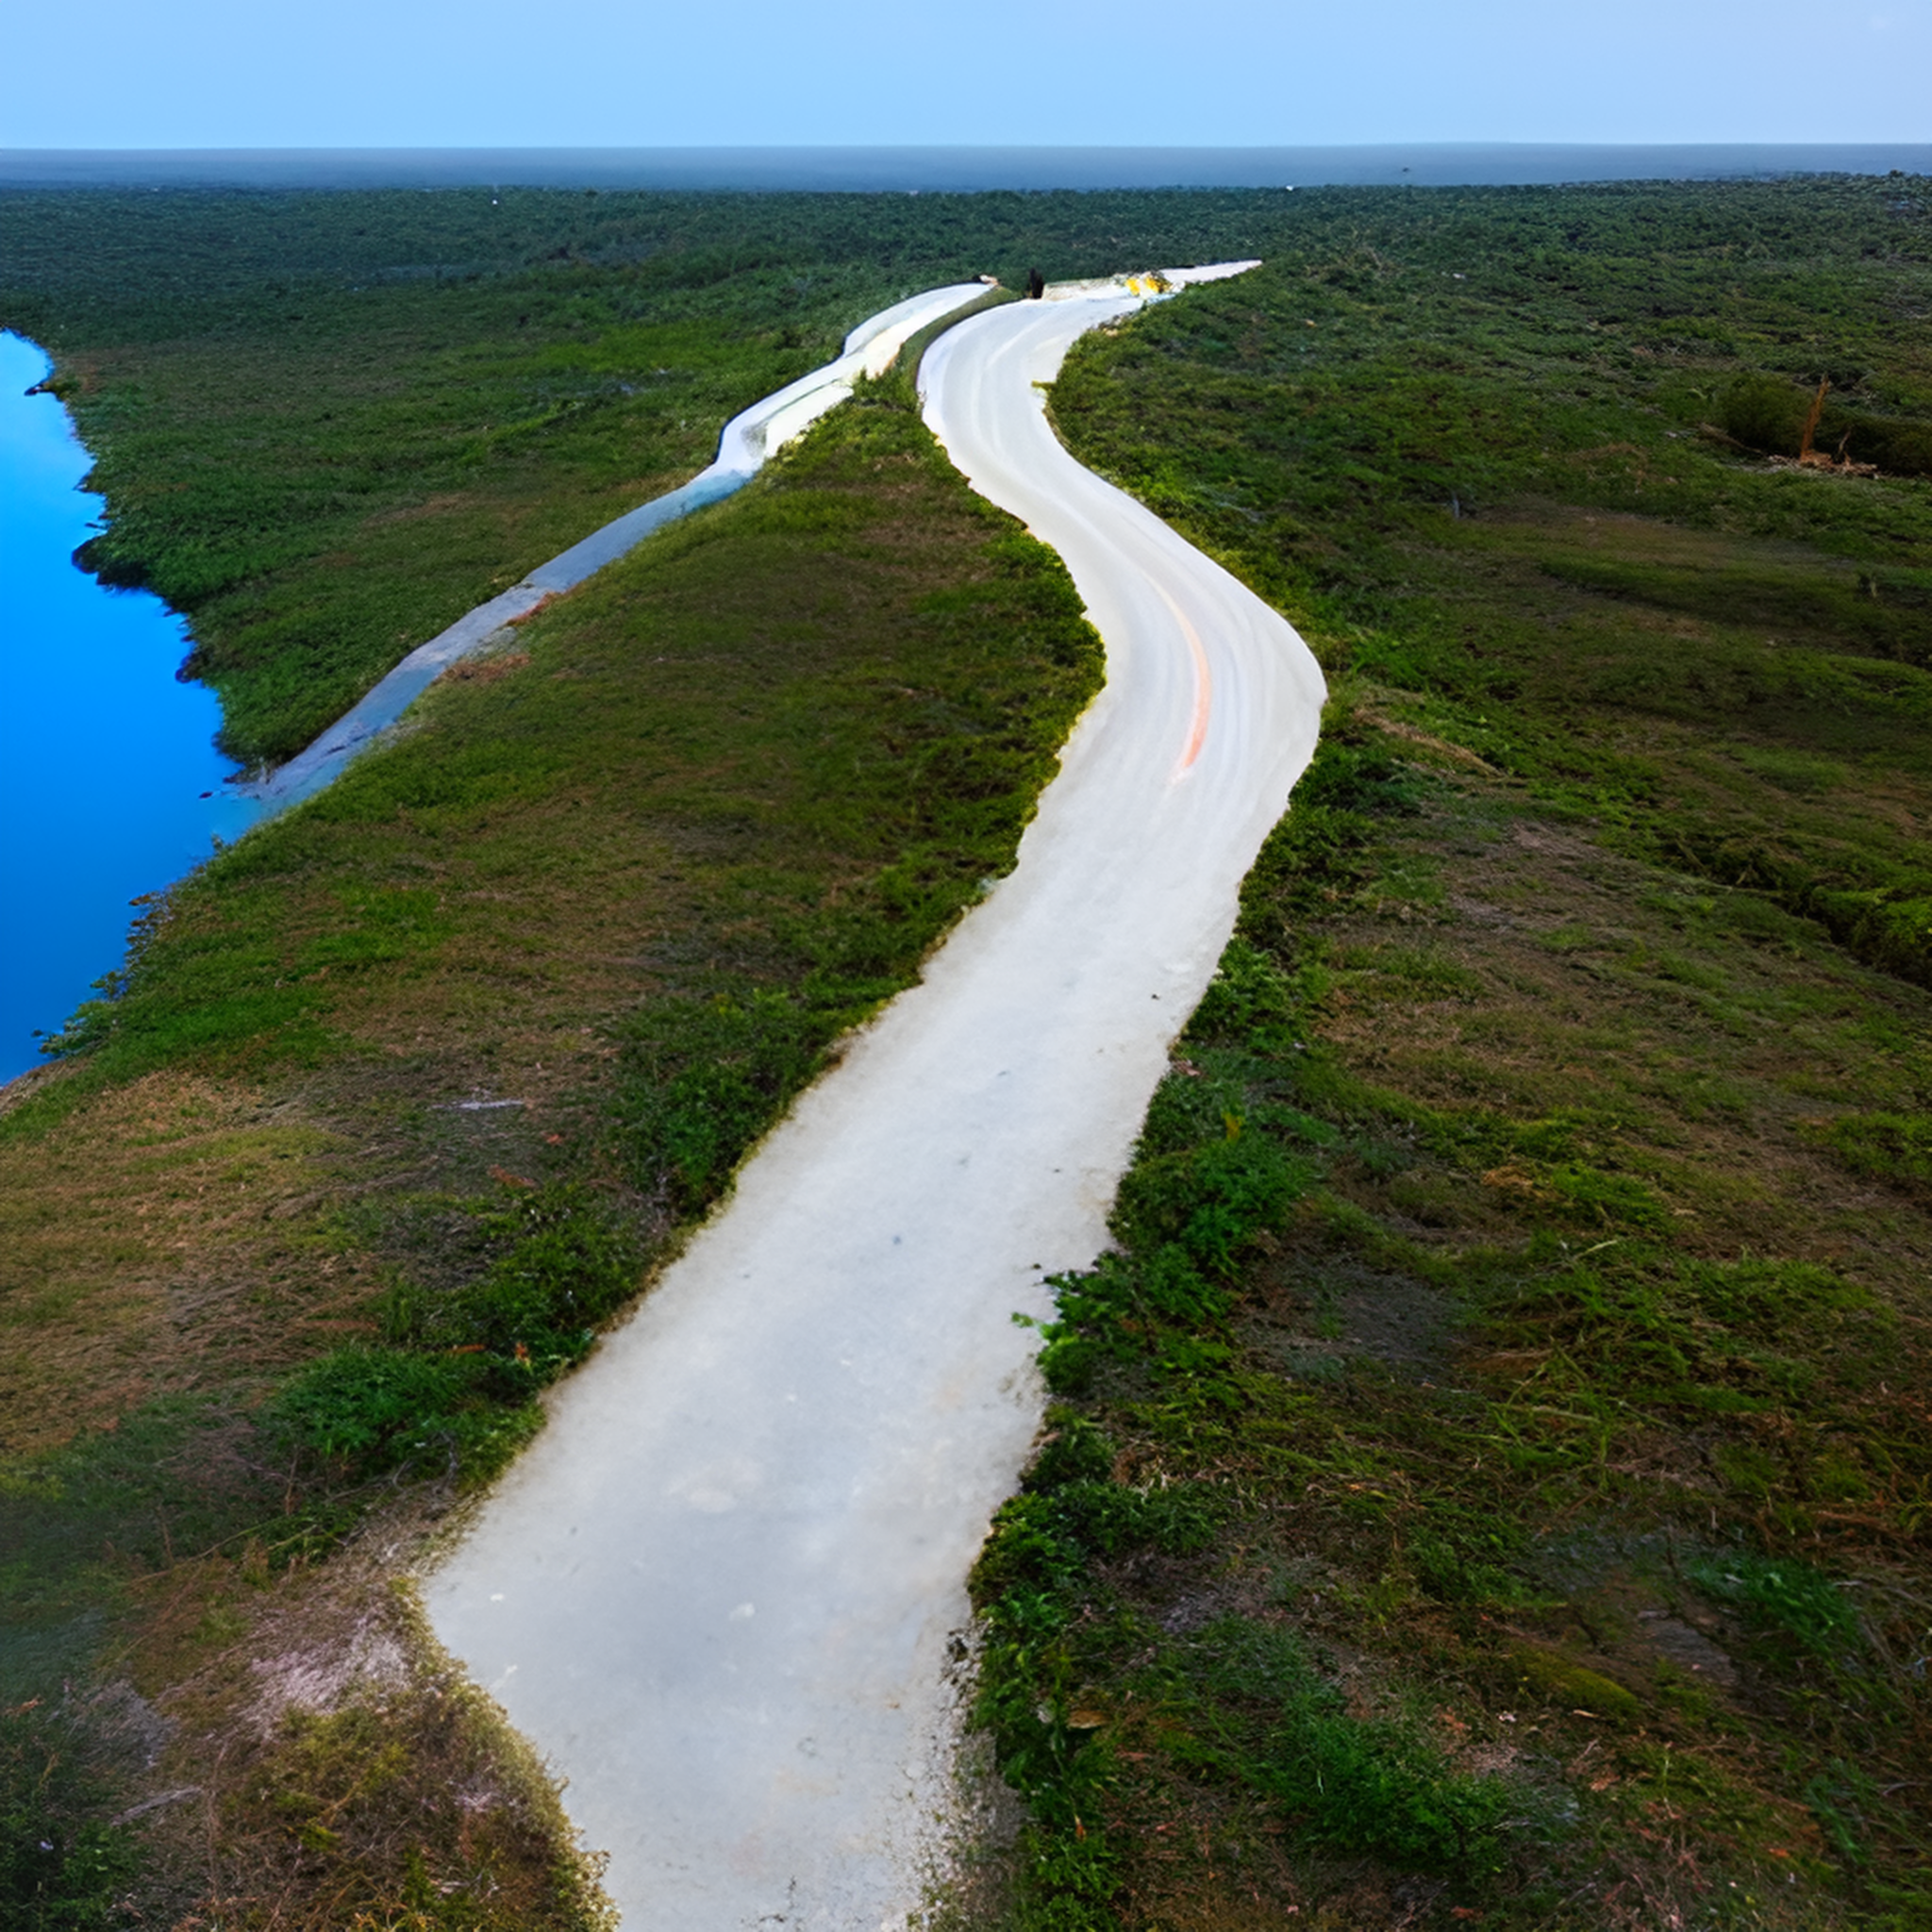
(157, 795)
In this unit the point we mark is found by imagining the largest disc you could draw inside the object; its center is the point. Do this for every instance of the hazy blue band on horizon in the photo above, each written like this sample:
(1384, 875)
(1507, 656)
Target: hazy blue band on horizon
(950, 169)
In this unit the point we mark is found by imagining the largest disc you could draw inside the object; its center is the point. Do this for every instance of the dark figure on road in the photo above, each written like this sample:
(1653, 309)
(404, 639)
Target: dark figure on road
(1036, 285)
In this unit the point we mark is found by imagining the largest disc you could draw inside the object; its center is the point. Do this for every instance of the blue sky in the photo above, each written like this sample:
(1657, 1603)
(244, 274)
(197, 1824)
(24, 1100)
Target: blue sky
(1130, 72)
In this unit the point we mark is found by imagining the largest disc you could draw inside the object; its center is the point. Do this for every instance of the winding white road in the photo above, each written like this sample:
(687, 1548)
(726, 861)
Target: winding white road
(718, 1590)
(747, 439)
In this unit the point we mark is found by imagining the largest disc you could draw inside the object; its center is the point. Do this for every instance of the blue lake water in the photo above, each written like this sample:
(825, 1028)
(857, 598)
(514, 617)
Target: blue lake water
(102, 754)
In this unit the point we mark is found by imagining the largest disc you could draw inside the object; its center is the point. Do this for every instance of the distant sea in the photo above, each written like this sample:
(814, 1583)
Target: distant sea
(910, 170)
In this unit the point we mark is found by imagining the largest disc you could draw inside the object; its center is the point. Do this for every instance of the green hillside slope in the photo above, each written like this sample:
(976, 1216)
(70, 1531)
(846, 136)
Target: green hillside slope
(1491, 1478)
(398, 1099)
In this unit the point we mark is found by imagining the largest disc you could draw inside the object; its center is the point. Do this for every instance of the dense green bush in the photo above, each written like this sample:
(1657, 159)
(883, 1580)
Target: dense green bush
(1765, 412)
(1905, 447)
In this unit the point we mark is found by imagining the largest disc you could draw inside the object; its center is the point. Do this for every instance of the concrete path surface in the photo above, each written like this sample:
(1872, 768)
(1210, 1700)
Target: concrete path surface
(718, 1591)
(748, 439)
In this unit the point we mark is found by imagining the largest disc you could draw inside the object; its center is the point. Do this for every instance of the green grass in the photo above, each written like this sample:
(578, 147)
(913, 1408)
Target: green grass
(61, 1869)
(1515, 1312)
(641, 875)
(1468, 453)
(327, 424)
(1519, 1276)
(1482, 1457)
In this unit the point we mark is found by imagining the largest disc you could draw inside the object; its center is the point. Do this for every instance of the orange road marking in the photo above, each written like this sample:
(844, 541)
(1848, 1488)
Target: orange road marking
(1203, 689)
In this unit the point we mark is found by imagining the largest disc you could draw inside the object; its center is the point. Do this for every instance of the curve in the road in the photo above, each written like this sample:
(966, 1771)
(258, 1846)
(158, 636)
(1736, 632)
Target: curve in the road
(718, 1591)
(746, 441)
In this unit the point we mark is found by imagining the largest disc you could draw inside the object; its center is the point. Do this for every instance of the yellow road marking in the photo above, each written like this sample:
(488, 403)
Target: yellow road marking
(1204, 689)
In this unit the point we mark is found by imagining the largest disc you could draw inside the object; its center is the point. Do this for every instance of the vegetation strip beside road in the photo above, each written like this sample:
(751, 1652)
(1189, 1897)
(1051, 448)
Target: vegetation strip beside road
(1555, 947)
(407, 1093)
(1488, 1480)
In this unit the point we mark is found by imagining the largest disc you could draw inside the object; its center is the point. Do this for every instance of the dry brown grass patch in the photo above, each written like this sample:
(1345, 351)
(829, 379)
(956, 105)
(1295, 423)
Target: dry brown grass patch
(162, 1236)
(340, 1771)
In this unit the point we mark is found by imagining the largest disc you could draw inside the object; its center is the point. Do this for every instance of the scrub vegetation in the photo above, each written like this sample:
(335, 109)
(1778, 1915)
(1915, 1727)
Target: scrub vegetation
(1488, 1479)
(1518, 1304)
(399, 1098)
(328, 424)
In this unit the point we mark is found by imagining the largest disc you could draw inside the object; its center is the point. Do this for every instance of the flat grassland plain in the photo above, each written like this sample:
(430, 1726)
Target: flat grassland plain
(1489, 1481)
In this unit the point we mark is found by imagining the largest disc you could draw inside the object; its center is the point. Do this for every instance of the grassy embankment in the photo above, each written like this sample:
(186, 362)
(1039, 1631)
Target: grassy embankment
(259, 1164)
(1490, 1481)
(273, 1298)
(329, 424)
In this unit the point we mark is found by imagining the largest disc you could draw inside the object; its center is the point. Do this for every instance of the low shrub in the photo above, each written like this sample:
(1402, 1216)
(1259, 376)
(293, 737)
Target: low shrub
(1895, 1147)
(370, 1408)
(453, 1382)
(534, 1311)
(61, 1865)
(1207, 1201)
(1782, 1597)
(703, 1078)
(1766, 413)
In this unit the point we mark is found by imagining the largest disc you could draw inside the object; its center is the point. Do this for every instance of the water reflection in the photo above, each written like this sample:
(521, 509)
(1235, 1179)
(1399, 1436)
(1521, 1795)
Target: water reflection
(103, 758)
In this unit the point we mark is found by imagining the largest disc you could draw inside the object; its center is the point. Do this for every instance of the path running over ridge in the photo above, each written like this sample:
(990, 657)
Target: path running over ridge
(746, 441)
(717, 1591)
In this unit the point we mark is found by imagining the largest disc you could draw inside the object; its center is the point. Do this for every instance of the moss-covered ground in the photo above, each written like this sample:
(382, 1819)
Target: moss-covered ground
(1488, 1480)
